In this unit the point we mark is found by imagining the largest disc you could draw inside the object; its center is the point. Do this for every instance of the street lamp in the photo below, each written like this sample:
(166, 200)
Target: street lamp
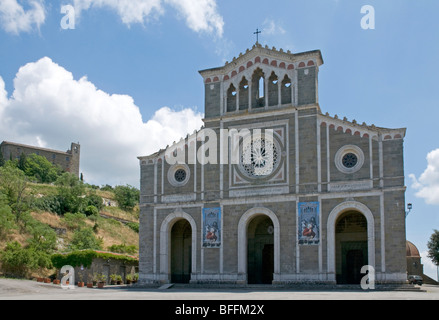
(409, 207)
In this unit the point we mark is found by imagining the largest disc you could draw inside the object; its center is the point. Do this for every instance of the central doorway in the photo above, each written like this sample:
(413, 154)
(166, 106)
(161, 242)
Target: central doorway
(260, 250)
(181, 252)
(351, 247)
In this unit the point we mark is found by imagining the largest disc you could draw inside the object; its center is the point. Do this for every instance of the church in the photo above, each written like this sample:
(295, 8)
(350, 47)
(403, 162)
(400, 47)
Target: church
(272, 190)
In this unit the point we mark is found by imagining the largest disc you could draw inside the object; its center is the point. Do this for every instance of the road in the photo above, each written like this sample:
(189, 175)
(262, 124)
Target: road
(31, 290)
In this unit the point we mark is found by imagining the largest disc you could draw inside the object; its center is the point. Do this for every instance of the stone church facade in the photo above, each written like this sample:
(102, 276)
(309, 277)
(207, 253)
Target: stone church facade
(310, 198)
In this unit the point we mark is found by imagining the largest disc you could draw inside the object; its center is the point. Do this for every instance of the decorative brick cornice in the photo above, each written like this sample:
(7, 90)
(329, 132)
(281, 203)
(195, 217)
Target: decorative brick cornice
(262, 55)
(363, 130)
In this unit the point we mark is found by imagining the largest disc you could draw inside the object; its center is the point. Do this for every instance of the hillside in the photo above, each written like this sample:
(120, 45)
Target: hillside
(36, 220)
(107, 226)
(111, 231)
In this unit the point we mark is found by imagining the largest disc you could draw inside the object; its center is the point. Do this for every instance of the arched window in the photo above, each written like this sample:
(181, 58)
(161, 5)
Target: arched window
(273, 92)
(243, 94)
(286, 90)
(231, 98)
(258, 89)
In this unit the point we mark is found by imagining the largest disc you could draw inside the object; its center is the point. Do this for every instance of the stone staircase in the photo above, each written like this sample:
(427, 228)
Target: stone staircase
(296, 287)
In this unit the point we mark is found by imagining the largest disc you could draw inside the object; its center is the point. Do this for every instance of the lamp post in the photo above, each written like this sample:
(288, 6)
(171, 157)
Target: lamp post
(409, 208)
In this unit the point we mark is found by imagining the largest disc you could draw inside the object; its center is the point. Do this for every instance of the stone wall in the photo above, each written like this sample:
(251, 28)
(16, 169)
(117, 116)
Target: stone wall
(69, 161)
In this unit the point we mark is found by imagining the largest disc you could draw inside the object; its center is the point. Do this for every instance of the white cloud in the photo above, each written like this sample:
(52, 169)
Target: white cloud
(270, 27)
(3, 95)
(50, 108)
(130, 11)
(200, 15)
(428, 183)
(15, 19)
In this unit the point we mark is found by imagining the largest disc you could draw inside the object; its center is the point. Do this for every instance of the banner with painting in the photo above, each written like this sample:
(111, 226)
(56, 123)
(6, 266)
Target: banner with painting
(211, 227)
(309, 223)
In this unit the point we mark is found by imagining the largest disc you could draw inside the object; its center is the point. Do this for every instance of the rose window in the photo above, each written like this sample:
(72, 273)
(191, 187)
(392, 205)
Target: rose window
(259, 158)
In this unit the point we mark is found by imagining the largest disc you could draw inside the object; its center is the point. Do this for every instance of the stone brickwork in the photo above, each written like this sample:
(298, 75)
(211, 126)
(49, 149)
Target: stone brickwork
(68, 160)
(333, 202)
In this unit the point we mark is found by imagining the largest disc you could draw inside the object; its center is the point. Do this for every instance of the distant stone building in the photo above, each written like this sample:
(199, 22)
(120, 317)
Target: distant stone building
(414, 265)
(68, 160)
(289, 195)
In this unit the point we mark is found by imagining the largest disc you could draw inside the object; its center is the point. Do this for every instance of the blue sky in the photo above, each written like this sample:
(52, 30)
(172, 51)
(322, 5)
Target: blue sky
(139, 60)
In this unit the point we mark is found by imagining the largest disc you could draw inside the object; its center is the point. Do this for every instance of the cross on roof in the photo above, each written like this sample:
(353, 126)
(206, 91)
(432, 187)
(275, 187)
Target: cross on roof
(257, 34)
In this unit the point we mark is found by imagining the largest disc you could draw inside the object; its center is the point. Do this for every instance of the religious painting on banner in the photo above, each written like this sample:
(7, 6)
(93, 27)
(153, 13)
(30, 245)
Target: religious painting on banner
(212, 227)
(309, 223)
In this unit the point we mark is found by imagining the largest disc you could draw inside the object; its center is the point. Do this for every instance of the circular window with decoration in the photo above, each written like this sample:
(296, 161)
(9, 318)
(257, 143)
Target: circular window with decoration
(349, 159)
(260, 157)
(178, 175)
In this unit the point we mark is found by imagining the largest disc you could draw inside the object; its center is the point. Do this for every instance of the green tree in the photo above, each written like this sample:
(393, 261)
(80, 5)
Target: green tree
(85, 239)
(43, 238)
(6, 218)
(107, 187)
(92, 199)
(71, 193)
(433, 247)
(13, 184)
(40, 168)
(91, 211)
(2, 159)
(127, 196)
(22, 162)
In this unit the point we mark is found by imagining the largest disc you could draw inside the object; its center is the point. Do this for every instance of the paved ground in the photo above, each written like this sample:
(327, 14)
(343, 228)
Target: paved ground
(31, 290)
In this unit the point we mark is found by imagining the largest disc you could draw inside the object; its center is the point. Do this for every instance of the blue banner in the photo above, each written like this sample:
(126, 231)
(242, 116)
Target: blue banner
(211, 227)
(308, 223)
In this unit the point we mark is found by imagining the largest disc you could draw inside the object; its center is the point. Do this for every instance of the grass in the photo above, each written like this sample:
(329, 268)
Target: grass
(39, 190)
(117, 212)
(111, 231)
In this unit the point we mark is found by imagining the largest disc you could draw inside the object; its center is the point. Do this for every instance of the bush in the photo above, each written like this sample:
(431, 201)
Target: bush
(134, 226)
(19, 262)
(43, 237)
(123, 248)
(49, 203)
(75, 220)
(85, 258)
(91, 211)
(85, 239)
(94, 200)
(7, 219)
